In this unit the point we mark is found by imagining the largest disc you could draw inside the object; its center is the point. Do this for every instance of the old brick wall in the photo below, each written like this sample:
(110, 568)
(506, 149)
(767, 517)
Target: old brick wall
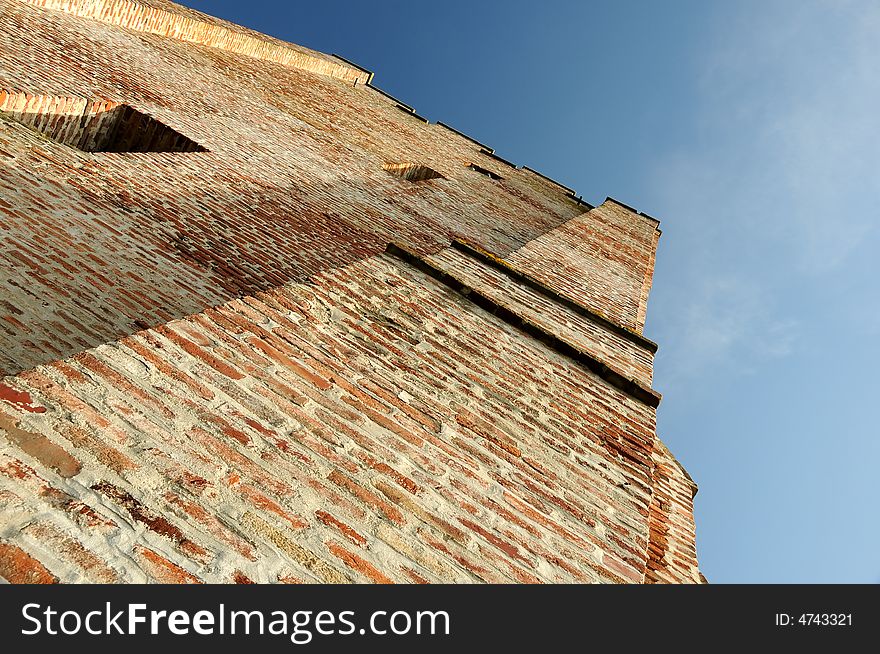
(293, 184)
(219, 374)
(369, 426)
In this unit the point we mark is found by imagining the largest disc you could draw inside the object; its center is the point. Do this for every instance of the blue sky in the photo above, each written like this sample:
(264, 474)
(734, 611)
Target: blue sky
(750, 129)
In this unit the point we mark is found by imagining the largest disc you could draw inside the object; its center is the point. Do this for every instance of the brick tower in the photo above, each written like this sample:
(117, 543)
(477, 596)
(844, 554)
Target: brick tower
(260, 321)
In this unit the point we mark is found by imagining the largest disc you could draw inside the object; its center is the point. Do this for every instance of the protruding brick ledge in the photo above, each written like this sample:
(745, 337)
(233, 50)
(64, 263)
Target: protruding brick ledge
(527, 280)
(491, 153)
(409, 110)
(142, 18)
(633, 209)
(629, 386)
(368, 73)
(569, 191)
(465, 136)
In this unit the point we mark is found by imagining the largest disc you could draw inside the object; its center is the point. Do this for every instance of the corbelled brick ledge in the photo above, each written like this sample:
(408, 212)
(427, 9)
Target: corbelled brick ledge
(152, 20)
(631, 387)
(527, 280)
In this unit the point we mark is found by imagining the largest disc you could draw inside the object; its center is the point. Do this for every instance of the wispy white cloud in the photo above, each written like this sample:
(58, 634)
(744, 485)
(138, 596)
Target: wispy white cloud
(724, 322)
(780, 185)
(798, 92)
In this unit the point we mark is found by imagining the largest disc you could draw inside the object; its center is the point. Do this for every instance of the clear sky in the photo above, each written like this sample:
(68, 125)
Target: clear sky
(750, 129)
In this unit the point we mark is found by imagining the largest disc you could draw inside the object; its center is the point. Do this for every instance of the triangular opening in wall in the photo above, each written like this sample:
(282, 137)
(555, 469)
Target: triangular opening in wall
(94, 125)
(412, 172)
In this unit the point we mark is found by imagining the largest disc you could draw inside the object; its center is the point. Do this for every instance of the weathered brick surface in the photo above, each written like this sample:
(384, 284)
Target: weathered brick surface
(604, 259)
(97, 246)
(630, 359)
(218, 375)
(382, 426)
(672, 555)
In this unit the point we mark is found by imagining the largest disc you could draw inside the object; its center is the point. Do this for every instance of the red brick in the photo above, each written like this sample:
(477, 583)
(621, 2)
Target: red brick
(406, 501)
(625, 571)
(150, 519)
(415, 576)
(366, 496)
(488, 431)
(71, 550)
(19, 567)
(113, 378)
(343, 528)
(200, 353)
(19, 399)
(259, 500)
(160, 569)
(359, 564)
(42, 449)
(286, 361)
(166, 369)
(106, 454)
(213, 525)
(241, 578)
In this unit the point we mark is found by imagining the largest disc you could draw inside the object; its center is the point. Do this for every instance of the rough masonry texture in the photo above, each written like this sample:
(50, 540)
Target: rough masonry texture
(259, 321)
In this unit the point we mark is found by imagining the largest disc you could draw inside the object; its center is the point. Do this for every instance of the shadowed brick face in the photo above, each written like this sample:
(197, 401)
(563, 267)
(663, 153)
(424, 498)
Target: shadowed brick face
(215, 372)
